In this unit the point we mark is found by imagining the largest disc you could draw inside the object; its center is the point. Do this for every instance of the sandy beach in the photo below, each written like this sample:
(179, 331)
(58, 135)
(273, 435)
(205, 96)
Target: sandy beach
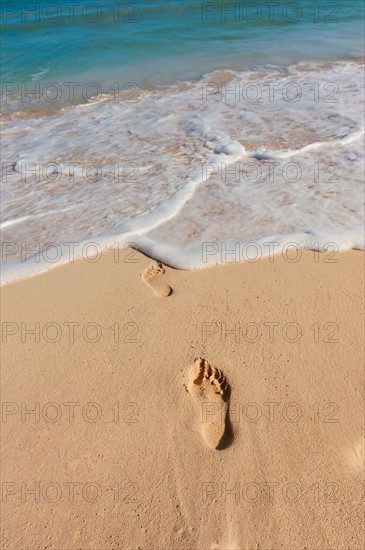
(182, 276)
(104, 440)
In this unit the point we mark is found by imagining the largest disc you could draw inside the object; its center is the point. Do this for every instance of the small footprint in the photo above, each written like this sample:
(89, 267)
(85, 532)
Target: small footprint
(152, 276)
(209, 386)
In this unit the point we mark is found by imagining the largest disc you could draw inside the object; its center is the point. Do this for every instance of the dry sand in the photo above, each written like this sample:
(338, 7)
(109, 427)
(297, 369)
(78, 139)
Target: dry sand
(114, 454)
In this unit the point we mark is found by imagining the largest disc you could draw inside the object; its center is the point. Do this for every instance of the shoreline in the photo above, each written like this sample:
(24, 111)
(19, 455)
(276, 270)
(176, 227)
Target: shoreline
(116, 92)
(211, 253)
(94, 382)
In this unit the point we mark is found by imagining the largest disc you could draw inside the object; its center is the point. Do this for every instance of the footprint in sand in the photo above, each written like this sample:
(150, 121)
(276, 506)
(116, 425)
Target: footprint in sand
(153, 277)
(209, 386)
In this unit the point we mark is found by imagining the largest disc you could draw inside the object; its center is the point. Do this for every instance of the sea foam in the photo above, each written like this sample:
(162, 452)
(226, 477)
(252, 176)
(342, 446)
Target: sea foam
(179, 169)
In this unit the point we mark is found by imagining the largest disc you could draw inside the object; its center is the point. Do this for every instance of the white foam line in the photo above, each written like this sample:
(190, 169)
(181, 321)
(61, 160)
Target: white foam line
(194, 257)
(9, 223)
(168, 209)
(131, 230)
(267, 154)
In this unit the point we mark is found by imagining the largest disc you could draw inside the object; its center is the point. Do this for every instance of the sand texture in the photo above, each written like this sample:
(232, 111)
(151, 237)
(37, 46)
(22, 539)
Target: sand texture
(213, 409)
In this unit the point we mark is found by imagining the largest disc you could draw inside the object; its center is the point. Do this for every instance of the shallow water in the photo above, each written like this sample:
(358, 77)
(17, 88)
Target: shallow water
(273, 154)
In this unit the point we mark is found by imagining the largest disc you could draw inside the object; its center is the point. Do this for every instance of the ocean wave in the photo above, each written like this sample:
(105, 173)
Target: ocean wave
(189, 164)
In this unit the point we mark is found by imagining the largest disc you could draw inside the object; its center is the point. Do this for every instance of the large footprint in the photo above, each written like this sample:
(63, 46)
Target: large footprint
(209, 386)
(152, 276)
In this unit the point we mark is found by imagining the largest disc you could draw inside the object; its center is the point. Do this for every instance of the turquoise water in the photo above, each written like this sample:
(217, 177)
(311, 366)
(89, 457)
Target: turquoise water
(159, 42)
